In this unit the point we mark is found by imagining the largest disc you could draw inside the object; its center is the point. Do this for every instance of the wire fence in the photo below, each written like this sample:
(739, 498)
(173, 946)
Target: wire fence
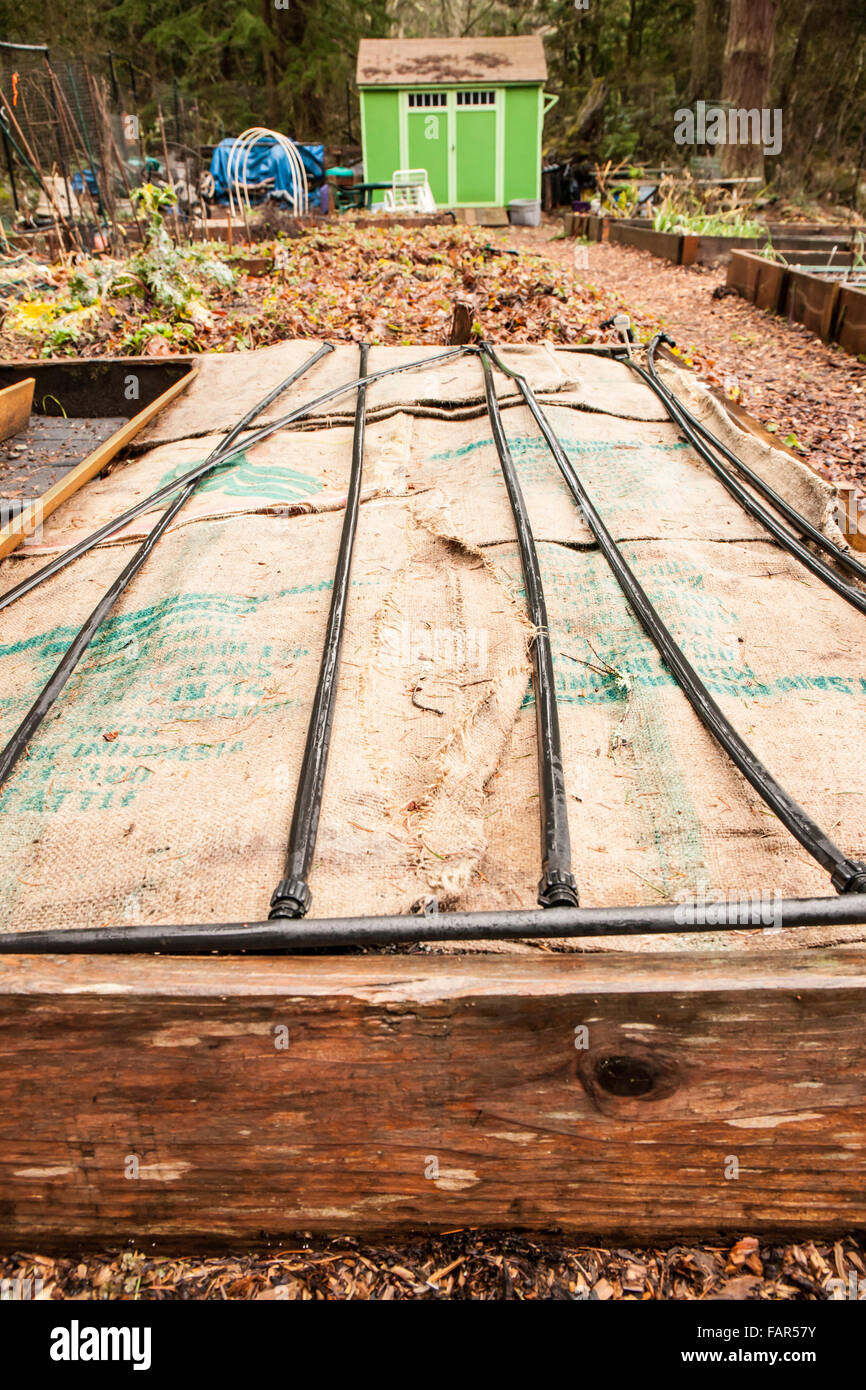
(78, 136)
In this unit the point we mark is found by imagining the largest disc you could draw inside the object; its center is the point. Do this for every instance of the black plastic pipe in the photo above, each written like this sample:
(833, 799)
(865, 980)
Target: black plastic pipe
(291, 897)
(73, 654)
(784, 508)
(534, 924)
(847, 875)
(217, 456)
(750, 504)
(556, 887)
(222, 455)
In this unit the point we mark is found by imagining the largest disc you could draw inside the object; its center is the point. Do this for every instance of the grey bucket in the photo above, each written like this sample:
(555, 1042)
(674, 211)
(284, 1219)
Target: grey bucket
(525, 212)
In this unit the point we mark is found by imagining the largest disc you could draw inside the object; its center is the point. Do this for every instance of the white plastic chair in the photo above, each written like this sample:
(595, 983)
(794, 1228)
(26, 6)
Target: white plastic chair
(409, 192)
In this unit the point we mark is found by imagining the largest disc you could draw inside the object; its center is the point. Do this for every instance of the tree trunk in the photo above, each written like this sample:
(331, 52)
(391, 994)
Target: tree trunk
(268, 65)
(746, 79)
(703, 52)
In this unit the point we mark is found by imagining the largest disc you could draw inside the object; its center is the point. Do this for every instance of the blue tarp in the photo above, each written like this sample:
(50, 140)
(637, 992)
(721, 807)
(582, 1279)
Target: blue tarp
(78, 184)
(267, 160)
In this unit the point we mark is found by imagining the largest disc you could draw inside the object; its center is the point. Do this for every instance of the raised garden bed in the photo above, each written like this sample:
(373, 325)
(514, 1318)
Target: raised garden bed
(812, 294)
(539, 1089)
(84, 415)
(587, 225)
(850, 330)
(690, 248)
(667, 245)
(811, 301)
(758, 279)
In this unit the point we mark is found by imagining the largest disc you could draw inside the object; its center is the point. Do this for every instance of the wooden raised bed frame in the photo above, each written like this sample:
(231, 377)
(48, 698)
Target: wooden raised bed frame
(86, 388)
(638, 1097)
(831, 309)
(423, 1091)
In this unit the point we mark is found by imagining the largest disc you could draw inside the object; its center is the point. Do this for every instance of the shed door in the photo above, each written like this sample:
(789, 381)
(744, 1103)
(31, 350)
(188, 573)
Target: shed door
(476, 147)
(427, 127)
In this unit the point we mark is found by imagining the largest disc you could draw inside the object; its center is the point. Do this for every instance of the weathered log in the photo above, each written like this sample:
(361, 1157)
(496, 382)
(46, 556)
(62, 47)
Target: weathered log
(461, 322)
(635, 1096)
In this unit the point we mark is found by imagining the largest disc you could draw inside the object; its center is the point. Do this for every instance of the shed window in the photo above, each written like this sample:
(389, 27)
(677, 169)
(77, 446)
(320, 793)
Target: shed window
(476, 98)
(427, 99)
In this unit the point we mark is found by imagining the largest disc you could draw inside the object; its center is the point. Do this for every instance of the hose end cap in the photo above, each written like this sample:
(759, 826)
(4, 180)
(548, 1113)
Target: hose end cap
(557, 889)
(849, 877)
(291, 898)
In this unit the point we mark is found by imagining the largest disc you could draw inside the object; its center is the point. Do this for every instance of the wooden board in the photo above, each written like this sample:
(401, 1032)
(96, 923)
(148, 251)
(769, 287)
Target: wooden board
(758, 279)
(16, 403)
(812, 302)
(667, 245)
(689, 247)
(850, 329)
(33, 515)
(418, 1091)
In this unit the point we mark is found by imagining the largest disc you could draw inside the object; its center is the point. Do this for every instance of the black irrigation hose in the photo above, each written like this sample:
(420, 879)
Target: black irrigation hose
(570, 922)
(214, 460)
(842, 557)
(222, 455)
(557, 887)
(71, 657)
(347, 933)
(847, 875)
(291, 897)
(786, 540)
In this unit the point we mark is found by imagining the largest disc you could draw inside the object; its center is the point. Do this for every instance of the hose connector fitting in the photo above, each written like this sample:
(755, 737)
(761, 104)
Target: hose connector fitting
(849, 876)
(557, 889)
(291, 898)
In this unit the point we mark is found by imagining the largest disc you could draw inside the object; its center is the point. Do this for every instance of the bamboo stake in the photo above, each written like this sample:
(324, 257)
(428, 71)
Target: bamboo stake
(59, 219)
(68, 124)
(63, 169)
(107, 190)
(50, 190)
(120, 164)
(201, 201)
(168, 171)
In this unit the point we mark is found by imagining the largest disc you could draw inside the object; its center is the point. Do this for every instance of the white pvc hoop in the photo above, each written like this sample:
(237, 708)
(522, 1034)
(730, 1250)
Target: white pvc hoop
(236, 173)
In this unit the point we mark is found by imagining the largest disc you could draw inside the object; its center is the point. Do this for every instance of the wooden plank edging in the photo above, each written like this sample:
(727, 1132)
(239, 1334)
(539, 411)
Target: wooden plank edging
(154, 1098)
(16, 402)
(21, 525)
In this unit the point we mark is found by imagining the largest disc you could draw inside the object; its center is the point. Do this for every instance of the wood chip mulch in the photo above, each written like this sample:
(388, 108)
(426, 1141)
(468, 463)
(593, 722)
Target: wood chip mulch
(464, 1264)
(782, 374)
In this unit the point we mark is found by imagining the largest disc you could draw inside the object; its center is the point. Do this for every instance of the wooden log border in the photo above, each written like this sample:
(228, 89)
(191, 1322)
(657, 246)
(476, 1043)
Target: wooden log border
(638, 1097)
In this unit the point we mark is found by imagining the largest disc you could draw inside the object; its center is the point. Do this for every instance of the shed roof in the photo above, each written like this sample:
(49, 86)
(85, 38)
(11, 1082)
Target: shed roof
(432, 62)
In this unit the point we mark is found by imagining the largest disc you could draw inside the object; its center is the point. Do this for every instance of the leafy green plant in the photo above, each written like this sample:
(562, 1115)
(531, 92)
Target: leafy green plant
(175, 335)
(162, 273)
(708, 224)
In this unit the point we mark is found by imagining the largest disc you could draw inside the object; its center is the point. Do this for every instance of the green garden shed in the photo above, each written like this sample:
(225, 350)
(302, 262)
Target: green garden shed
(469, 111)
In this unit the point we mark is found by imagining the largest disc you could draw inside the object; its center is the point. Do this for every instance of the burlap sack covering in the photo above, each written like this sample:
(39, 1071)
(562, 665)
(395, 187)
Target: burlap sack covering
(160, 788)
